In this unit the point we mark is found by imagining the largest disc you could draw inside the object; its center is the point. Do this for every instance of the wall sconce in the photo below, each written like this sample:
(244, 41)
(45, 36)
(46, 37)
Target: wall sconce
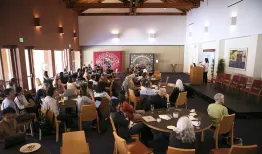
(206, 29)
(156, 60)
(37, 22)
(74, 34)
(234, 21)
(61, 30)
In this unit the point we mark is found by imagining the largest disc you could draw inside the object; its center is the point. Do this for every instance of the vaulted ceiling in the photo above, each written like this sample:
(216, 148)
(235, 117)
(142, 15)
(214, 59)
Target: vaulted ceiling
(131, 7)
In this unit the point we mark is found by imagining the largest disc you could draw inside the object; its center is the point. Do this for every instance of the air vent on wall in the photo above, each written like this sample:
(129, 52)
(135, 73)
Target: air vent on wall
(232, 4)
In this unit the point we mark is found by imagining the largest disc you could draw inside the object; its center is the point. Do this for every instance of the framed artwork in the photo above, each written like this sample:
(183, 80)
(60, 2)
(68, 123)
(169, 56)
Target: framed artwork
(238, 58)
(109, 58)
(142, 60)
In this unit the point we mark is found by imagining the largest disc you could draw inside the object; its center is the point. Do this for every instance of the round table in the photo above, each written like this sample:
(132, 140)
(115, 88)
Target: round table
(206, 121)
(15, 149)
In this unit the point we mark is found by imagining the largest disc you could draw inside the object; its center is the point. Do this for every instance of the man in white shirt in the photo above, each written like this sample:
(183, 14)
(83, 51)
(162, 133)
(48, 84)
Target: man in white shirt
(9, 100)
(20, 99)
(147, 90)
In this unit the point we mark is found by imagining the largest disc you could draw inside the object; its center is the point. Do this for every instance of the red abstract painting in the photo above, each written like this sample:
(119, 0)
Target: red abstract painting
(106, 58)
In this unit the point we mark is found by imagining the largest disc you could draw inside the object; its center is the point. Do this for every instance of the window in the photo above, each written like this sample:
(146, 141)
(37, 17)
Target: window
(7, 64)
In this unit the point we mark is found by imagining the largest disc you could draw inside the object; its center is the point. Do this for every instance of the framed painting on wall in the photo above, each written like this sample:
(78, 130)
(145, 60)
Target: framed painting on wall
(142, 60)
(238, 58)
(109, 58)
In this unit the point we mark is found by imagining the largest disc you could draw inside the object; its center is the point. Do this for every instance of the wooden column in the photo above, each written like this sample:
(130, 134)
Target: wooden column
(53, 62)
(21, 67)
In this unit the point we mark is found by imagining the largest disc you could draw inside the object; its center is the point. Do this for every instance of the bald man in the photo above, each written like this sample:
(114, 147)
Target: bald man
(160, 100)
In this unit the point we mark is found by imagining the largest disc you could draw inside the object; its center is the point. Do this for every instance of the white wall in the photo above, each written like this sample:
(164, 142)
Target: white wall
(96, 30)
(222, 37)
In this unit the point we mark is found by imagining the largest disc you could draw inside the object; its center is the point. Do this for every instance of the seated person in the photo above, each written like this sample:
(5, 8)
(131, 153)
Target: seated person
(178, 89)
(51, 103)
(93, 79)
(11, 84)
(71, 85)
(100, 91)
(84, 99)
(62, 78)
(184, 136)
(46, 77)
(127, 109)
(8, 126)
(160, 100)
(129, 84)
(41, 93)
(143, 79)
(147, 90)
(59, 86)
(122, 123)
(217, 109)
(22, 102)
(9, 100)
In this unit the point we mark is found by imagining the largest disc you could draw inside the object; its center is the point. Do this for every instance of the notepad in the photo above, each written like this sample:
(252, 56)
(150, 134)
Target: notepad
(165, 117)
(148, 118)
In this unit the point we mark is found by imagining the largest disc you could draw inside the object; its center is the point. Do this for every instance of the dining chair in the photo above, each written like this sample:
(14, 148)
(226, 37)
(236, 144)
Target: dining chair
(38, 82)
(70, 137)
(182, 99)
(234, 82)
(132, 148)
(52, 120)
(133, 98)
(171, 85)
(219, 78)
(88, 113)
(236, 149)
(172, 150)
(165, 83)
(256, 88)
(227, 79)
(27, 122)
(104, 107)
(76, 147)
(226, 124)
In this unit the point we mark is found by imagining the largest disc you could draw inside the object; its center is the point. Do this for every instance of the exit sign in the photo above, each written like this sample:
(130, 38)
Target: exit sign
(21, 39)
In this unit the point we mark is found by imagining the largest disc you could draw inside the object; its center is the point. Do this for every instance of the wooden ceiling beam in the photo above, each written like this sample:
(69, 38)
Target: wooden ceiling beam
(178, 5)
(127, 14)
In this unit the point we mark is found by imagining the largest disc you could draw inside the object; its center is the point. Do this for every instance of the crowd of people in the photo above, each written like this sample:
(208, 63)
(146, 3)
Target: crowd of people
(126, 118)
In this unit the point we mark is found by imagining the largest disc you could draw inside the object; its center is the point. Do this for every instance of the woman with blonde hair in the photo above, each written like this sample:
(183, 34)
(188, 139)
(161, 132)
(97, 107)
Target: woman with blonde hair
(183, 136)
(178, 89)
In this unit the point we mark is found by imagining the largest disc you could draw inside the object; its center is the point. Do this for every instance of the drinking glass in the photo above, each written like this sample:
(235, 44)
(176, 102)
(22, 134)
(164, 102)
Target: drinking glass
(152, 108)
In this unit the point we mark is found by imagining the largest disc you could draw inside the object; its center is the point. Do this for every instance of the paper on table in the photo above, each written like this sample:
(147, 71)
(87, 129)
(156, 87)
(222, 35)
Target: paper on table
(148, 118)
(192, 118)
(195, 123)
(192, 114)
(171, 127)
(166, 117)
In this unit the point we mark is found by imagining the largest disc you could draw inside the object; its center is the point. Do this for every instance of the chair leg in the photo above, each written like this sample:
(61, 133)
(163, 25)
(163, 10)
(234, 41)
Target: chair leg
(40, 134)
(232, 134)
(57, 132)
(186, 105)
(31, 129)
(202, 136)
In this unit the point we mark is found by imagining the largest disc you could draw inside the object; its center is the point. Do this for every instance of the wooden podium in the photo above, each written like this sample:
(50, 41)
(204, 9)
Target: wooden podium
(196, 75)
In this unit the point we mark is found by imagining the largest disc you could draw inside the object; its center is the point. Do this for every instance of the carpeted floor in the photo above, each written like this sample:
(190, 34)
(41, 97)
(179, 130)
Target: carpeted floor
(248, 129)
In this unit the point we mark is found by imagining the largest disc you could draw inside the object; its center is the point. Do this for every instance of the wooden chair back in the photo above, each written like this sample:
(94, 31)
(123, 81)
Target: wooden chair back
(50, 116)
(226, 123)
(132, 97)
(172, 150)
(120, 144)
(113, 124)
(182, 99)
(88, 112)
(236, 149)
(75, 148)
(220, 78)
(69, 137)
(38, 82)
(104, 107)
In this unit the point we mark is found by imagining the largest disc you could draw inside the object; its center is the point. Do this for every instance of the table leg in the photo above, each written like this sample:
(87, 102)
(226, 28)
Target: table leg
(202, 136)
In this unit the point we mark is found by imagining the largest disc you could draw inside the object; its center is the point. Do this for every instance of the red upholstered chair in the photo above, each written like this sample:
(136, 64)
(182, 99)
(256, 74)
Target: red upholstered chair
(227, 79)
(220, 78)
(255, 89)
(242, 82)
(236, 149)
(234, 82)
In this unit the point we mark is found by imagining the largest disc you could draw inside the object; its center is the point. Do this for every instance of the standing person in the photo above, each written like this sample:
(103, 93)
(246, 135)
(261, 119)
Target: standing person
(206, 65)
(184, 136)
